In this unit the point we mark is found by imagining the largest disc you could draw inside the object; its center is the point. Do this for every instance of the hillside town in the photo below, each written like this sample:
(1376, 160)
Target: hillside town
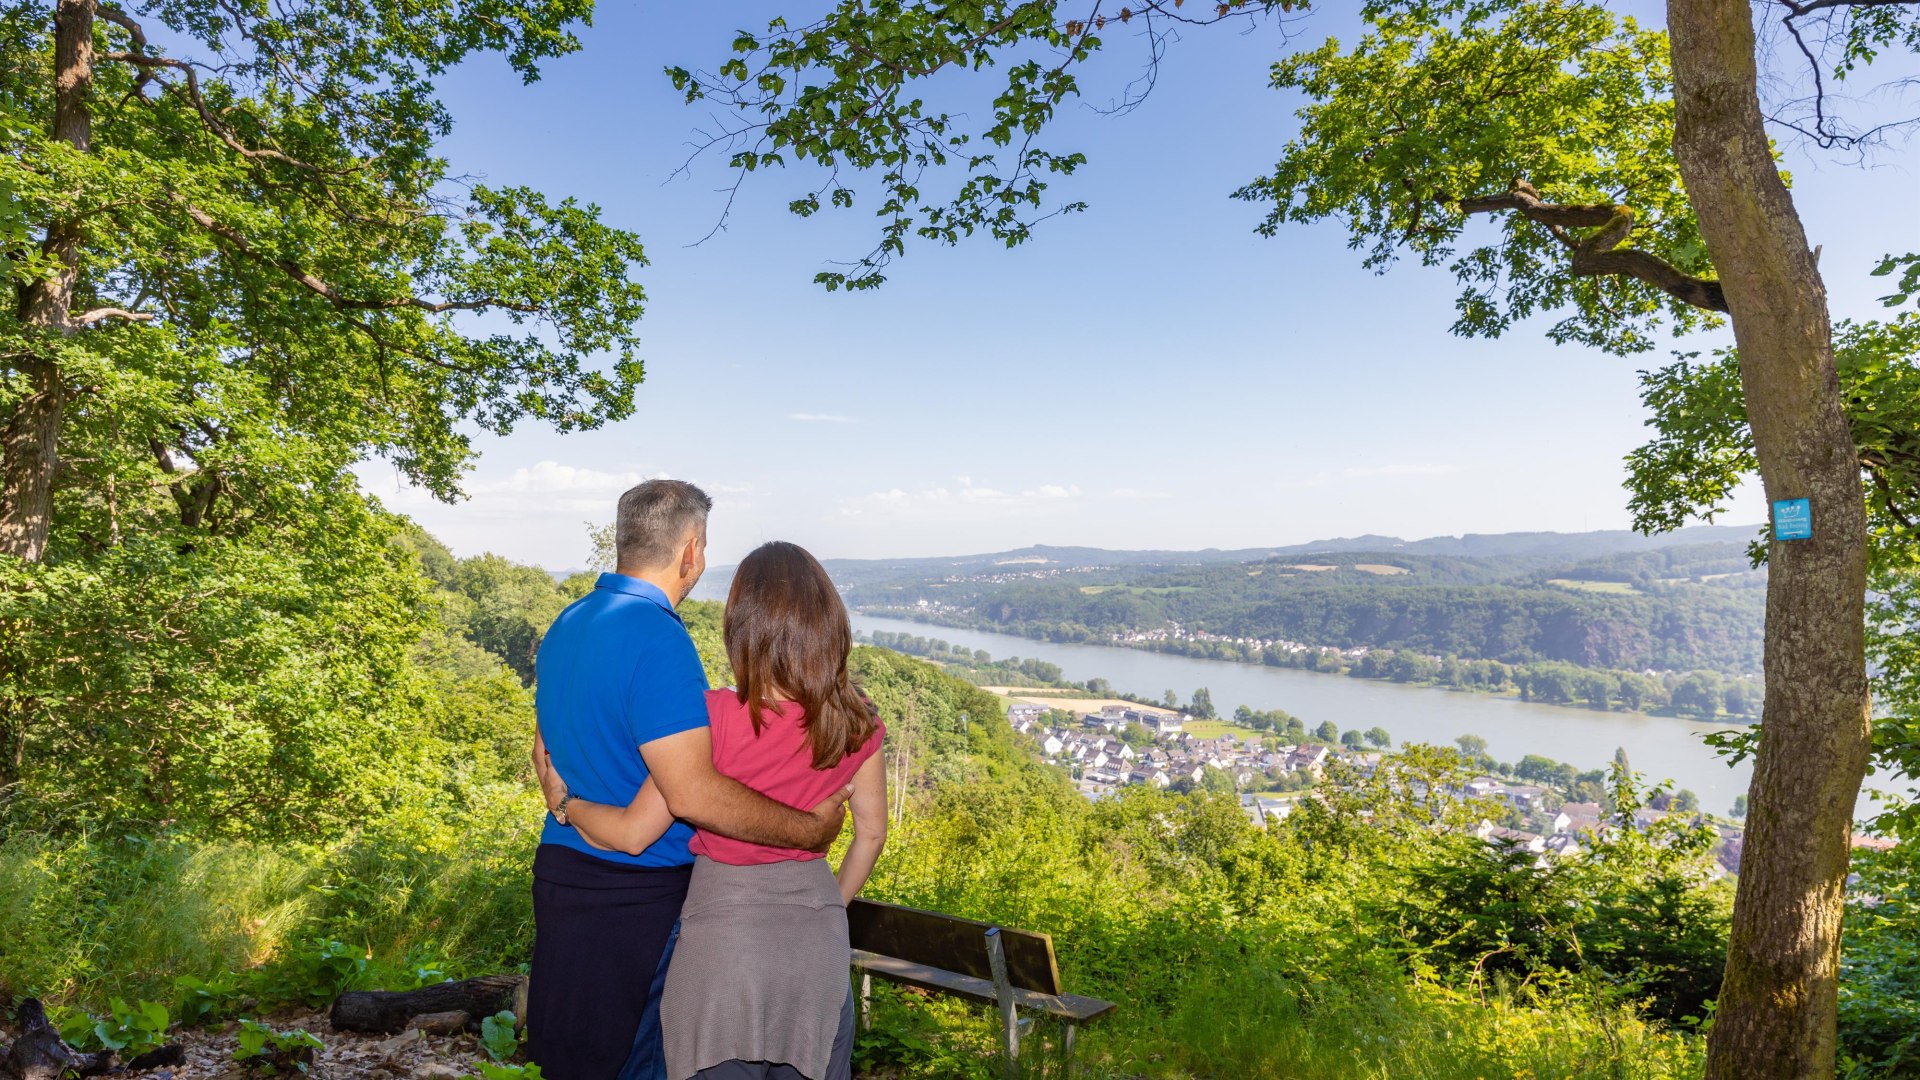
(1103, 751)
(1272, 777)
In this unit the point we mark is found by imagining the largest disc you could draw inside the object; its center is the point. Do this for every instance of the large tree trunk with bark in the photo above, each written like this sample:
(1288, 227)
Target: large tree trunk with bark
(29, 437)
(1776, 1015)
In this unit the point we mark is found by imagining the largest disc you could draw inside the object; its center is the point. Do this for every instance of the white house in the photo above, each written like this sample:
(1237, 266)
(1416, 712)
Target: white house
(1525, 841)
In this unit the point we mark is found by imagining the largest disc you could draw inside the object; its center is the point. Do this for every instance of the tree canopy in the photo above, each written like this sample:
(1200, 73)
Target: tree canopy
(241, 264)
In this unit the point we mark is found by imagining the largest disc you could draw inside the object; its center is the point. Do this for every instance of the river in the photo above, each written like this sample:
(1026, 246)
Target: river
(1659, 747)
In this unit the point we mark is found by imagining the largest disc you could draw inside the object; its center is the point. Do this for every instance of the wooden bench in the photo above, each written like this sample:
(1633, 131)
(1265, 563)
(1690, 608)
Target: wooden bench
(1012, 969)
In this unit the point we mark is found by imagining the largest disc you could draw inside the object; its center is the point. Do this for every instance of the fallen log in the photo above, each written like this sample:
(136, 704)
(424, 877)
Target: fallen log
(389, 1012)
(41, 1054)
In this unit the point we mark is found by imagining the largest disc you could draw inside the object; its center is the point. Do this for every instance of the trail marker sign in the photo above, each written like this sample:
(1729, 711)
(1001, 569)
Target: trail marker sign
(1792, 519)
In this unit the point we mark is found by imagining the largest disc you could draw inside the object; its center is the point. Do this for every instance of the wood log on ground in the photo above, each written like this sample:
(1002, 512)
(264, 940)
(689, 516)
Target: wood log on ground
(41, 1054)
(387, 1012)
(442, 1023)
(162, 1057)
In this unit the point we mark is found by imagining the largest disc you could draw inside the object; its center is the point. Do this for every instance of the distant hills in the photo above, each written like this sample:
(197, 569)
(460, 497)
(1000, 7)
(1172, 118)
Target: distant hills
(851, 572)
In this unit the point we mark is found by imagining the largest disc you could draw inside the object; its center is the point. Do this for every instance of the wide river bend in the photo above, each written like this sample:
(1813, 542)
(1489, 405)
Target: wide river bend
(1659, 747)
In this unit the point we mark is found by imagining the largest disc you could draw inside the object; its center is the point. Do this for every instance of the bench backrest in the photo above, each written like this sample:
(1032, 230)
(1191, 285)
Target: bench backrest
(956, 944)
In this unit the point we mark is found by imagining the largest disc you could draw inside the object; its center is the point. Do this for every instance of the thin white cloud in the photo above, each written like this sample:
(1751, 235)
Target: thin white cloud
(552, 477)
(1054, 491)
(1137, 493)
(821, 418)
(543, 489)
(962, 501)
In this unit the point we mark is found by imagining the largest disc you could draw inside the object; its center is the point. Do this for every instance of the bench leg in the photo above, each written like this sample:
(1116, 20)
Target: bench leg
(1009, 1014)
(866, 1001)
(1066, 1049)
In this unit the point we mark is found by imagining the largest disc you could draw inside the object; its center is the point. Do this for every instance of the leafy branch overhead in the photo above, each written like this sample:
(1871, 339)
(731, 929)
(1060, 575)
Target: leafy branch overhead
(1441, 112)
(838, 93)
(1554, 117)
(265, 259)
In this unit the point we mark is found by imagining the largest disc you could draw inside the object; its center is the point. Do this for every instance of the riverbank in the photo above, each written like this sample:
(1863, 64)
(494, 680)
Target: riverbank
(1693, 695)
(1663, 748)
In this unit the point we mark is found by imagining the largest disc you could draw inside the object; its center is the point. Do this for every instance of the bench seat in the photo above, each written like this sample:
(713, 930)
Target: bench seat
(1060, 1006)
(1009, 969)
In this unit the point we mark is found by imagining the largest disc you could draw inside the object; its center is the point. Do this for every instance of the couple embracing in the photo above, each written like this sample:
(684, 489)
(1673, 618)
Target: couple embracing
(686, 921)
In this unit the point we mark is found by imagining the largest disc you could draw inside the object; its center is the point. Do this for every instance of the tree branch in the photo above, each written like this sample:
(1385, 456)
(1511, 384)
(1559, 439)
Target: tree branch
(100, 314)
(212, 123)
(320, 287)
(125, 22)
(1600, 254)
(1817, 5)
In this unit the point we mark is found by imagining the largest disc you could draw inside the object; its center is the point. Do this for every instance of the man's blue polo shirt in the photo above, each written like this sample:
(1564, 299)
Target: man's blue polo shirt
(616, 670)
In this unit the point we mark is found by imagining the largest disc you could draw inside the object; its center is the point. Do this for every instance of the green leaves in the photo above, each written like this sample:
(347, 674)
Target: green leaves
(319, 287)
(128, 1030)
(266, 1049)
(1443, 102)
(835, 93)
(498, 1035)
(490, 1070)
(1908, 284)
(1702, 449)
(133, 1030)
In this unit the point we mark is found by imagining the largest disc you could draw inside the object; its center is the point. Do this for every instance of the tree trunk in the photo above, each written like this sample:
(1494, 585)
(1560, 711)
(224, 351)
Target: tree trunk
(1776, 1015)
(30, 436)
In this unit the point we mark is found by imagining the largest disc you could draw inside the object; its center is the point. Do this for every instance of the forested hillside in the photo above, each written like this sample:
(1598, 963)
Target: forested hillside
(1670, 609)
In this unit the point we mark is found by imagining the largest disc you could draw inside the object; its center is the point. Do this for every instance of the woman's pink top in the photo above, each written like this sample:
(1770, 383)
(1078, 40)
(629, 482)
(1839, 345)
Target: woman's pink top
(777, 763)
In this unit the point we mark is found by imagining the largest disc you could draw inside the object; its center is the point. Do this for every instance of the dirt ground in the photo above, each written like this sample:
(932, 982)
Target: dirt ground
(345, 1056)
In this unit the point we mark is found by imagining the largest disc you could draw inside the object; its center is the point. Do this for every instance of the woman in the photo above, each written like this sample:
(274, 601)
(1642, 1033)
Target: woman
(757, 989)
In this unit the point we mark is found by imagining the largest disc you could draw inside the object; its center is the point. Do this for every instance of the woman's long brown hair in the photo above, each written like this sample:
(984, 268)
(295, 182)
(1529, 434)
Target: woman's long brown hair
(787, 631)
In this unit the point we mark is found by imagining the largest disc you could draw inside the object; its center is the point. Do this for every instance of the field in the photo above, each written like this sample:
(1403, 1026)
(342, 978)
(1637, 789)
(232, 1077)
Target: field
(1381, 568)
(1138, 590)
(1213, 729)
(1616, 587)
(1066, 700)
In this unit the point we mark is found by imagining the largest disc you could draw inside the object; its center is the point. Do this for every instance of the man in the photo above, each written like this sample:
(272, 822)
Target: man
(621, 696)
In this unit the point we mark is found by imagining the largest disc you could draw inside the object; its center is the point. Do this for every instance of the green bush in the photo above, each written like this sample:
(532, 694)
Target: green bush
(1880, 967)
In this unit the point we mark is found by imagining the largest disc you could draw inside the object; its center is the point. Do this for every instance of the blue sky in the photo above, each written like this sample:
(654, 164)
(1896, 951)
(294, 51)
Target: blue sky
(1147, 374)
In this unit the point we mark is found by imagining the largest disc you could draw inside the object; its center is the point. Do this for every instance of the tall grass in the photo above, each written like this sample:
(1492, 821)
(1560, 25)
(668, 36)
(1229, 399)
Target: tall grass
(1230, 955)
(87, 917)
(1386, 1028)
(93, 915)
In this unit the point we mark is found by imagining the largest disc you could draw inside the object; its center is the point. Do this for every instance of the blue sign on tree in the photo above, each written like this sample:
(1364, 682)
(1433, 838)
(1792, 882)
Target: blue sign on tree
(1792, 519)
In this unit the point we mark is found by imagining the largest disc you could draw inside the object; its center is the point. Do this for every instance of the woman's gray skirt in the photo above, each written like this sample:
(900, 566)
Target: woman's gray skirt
(760, 973)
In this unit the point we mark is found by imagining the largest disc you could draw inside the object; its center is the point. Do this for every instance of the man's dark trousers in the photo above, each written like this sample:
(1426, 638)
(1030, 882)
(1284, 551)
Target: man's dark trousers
(601, 930)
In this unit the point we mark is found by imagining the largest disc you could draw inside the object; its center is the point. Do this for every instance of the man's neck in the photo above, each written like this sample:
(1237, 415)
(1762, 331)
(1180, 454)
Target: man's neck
(665, 580)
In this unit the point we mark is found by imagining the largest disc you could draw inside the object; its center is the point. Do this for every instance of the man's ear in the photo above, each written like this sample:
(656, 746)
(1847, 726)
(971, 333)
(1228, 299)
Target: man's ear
(689, 557)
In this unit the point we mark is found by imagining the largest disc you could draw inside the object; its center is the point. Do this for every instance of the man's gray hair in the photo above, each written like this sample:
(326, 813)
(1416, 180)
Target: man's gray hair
(654, 519)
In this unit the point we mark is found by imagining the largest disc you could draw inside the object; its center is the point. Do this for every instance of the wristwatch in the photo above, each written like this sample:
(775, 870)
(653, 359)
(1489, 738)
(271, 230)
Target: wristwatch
(560, 811)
